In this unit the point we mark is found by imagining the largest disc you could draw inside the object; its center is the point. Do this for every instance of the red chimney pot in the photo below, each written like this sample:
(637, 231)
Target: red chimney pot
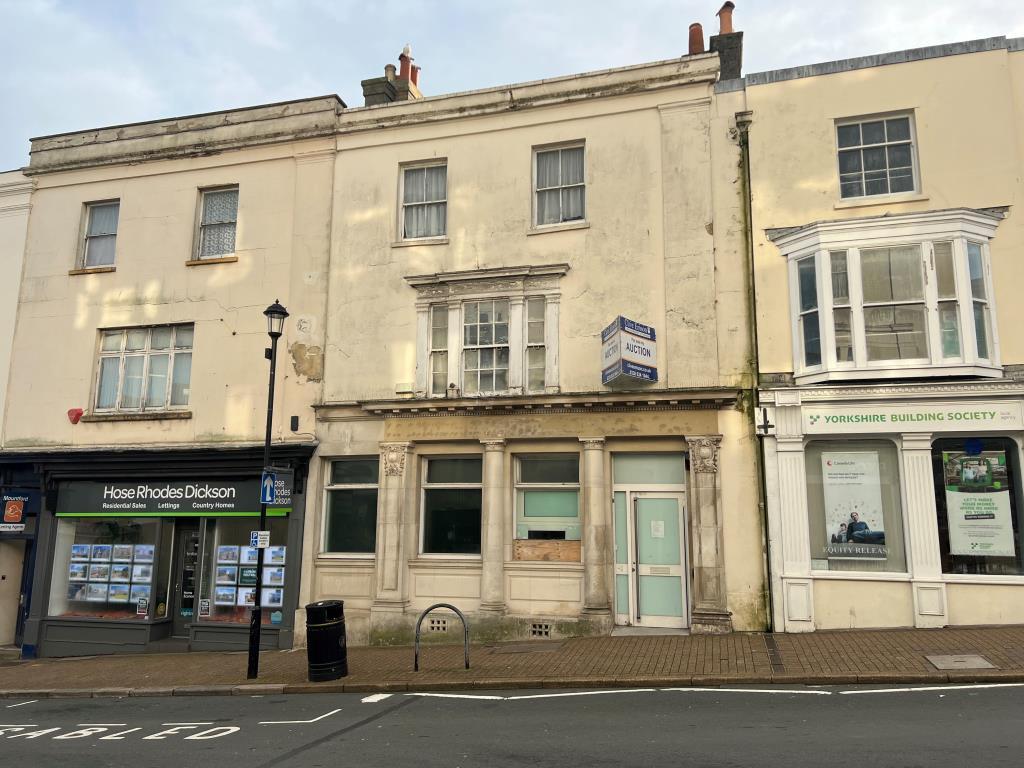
(725, 19)
(696, 39)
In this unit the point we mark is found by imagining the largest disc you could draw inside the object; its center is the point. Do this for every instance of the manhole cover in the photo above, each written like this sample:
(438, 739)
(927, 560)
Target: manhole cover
(960, 661)
(529, 648)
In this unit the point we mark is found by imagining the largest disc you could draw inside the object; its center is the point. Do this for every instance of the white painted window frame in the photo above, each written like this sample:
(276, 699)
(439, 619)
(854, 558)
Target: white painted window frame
(561, 224)
(197, 234)
(848, 237)
(147, 353)
(520, 485)
(400, 223)
(323, 552)
(84, 237)
(914, 164)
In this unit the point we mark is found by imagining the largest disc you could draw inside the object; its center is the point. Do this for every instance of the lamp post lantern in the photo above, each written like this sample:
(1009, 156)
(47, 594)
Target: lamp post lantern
(276, 315)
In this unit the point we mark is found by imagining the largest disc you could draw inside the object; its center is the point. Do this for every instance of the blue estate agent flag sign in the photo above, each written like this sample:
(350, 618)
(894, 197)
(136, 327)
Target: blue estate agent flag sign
(202, 497)
(628, 350)
(268, 493)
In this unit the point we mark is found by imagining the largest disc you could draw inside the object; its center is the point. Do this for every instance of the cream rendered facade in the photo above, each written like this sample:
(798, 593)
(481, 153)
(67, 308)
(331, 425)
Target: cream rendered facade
(909, 398)
(153, 276)
(662, 242)
(15, 194)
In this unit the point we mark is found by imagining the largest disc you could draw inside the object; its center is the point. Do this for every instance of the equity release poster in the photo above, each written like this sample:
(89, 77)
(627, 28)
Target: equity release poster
(854, 525)
(978, 504)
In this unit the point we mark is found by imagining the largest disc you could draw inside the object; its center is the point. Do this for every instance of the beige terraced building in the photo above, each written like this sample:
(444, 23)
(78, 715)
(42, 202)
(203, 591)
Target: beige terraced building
(885, 206)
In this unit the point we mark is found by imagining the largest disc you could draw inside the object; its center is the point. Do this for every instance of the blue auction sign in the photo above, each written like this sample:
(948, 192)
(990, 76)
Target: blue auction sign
(628, 349)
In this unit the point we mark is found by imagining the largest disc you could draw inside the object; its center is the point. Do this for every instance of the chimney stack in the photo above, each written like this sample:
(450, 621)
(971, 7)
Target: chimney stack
(403, 86)
(696, 39)
(728, 44)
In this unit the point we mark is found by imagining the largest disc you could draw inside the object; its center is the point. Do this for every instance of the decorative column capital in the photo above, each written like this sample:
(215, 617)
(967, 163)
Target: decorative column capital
(592, 443)
(704, 452)
(493, 445)
(394, 455)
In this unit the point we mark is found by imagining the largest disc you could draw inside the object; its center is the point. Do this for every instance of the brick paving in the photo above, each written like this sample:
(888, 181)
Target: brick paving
(815, 658)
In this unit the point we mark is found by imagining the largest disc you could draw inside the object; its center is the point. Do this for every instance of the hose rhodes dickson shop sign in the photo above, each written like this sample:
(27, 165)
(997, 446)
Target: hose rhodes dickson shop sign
(180, 498)
(628, 349)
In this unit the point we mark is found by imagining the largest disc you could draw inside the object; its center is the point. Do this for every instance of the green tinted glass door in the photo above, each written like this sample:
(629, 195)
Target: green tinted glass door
(659, 555)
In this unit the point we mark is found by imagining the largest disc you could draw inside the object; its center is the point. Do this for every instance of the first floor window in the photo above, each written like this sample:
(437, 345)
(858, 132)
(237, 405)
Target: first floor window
(452, 503)
(916, 305)
(351, 517)
(146, 368)
(485, 347)
(876, 157)
(548, 497)
(978, 500)
(218, 222)
(855, 517)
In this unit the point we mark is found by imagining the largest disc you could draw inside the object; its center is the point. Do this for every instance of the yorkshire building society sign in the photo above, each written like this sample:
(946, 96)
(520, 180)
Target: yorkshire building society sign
(963, 416)
(628, 350)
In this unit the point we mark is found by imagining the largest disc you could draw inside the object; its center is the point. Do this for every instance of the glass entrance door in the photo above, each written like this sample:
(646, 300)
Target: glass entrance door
(186, 574)
(650, 569)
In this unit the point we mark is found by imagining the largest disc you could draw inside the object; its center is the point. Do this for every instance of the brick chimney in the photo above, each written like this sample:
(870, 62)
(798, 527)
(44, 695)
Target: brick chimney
(400, 86)
(728, 44)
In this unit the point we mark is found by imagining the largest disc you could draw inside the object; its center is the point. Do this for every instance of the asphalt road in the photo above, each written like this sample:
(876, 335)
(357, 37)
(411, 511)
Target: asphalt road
(848, 726)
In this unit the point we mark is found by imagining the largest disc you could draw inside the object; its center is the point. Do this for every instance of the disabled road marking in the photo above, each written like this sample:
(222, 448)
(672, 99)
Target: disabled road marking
(935, 688)
(300, 722)
(458, 696)
(579, 693)
(376, 697)
(22, 704)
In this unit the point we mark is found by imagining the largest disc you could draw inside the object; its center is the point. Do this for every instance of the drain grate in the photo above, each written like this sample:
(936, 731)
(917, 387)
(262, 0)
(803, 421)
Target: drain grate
(960, 661)
(437, 625)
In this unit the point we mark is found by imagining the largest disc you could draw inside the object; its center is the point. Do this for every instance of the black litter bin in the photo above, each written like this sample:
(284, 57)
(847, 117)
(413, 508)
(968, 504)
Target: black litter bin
(325, 640)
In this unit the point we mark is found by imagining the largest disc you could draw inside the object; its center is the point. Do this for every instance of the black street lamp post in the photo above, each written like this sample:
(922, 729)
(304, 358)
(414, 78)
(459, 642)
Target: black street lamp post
(276, 315)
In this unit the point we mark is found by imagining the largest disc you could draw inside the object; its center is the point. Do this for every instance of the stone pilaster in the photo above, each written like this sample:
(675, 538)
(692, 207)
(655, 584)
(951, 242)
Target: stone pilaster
(597, 545)
(710, 606)
(390, 584)
(492, 545)
(925, 556)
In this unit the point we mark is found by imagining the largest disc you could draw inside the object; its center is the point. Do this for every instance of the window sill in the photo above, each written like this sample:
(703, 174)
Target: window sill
(864, 202)
(420, 241)
(982, 579)
(569, 225)
(91, 270)
(354, 558)
(151, 416)
(217, 260)
(455, 561)
(861, 575)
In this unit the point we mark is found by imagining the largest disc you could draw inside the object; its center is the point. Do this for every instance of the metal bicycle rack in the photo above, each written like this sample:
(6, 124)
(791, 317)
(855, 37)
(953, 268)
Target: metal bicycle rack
(419, 623)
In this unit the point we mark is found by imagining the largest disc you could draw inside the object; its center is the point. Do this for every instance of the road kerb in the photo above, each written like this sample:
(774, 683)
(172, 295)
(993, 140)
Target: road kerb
(256, 689)
(203, 690)
(152, 692)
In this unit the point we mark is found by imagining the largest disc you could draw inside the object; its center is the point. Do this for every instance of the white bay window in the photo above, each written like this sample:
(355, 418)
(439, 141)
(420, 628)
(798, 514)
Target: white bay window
(895, 296)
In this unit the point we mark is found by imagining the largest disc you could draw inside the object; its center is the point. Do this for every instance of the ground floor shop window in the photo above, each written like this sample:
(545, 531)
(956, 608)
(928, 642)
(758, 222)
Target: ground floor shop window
(452, 499)
(854, 513)
(548, 497)
(109, 569)
(231, 574)
(350, 526)
(977, 496)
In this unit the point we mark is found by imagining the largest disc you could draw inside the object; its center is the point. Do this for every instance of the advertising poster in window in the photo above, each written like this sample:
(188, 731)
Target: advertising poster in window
(978, 504)
(854, 527)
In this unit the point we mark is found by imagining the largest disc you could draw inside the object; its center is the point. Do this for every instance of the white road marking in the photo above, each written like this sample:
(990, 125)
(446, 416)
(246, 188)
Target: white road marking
(376, 697)
(22, 704)
(936, 688)
(102, 725)
(579, 693)
(119, 735)
(299, 722)
(457, 696)
(186, 723)
(748, 690)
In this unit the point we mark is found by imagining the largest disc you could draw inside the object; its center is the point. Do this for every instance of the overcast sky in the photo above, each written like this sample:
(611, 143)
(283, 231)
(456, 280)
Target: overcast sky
(72, 65)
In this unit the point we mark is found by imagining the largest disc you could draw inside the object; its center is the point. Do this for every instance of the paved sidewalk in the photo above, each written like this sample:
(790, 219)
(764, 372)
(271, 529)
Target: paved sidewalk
(880, 656)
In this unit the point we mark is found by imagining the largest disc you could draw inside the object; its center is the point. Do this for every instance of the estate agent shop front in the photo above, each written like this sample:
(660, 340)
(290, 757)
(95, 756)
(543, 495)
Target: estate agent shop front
(895, 506)
(150, 550)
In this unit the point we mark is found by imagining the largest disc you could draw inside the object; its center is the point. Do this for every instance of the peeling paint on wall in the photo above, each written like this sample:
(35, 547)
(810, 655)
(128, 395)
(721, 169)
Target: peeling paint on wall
(308, 361)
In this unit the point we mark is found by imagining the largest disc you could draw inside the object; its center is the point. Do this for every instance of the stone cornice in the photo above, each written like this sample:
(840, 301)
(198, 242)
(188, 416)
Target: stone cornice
(910, 391)
(596, 402)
